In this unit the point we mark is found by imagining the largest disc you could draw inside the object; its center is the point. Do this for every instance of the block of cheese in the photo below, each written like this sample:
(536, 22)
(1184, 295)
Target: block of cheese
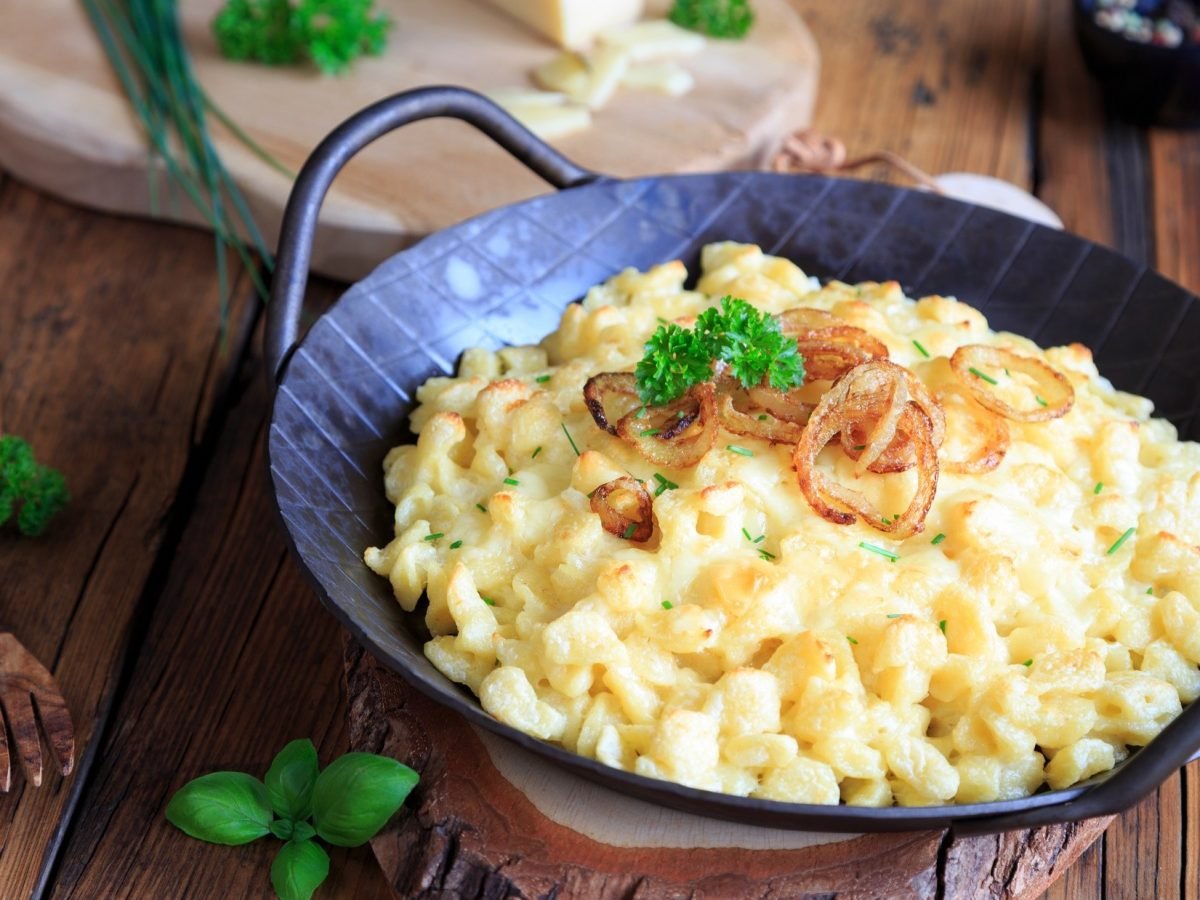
(572, 23)
(652, 40)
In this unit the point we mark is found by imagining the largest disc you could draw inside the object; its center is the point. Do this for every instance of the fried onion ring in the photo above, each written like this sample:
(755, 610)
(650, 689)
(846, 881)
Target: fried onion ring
(1055, 397)
(801, 320)
(898, 456)
(676, 434)
(607, 386)
(766, 426)
(865, 392)
(994, 440)
(783, 405)
(625, 508)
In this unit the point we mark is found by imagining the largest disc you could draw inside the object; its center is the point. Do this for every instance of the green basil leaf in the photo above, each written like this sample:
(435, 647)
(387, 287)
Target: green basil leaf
(222, 808)
(298, 870)
(302, 831)
(357, 794)
(291, 778)
(283, 829)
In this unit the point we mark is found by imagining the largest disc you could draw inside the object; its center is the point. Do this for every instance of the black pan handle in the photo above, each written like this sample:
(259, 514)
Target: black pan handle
(300, 217)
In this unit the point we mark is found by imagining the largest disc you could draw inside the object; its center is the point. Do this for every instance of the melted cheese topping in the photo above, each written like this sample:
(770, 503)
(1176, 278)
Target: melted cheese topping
(751, 646)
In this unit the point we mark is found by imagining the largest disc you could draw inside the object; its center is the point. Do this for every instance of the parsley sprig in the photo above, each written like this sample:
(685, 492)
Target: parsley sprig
(716, 18)
(748, 341)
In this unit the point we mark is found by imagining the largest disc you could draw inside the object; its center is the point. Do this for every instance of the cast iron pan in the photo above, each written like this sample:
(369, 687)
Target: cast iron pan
(345, 390)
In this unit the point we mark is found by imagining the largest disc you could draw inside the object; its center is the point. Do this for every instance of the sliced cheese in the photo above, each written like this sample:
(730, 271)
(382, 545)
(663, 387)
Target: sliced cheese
(666, 78)
(607, 66)
(546, 114)
(567, 73)
(653, 39)
(523, 96)
(572, 23)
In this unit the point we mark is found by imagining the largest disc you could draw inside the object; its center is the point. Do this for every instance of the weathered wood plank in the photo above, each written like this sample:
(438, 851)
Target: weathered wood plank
(1175, 170)
(1084, 879)
(1073, 173)
(946, 85)
(108, 331)
(239, 659)
(1191, 835)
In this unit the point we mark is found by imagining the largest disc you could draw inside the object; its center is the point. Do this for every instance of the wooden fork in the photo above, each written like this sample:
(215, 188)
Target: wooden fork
(25, 684)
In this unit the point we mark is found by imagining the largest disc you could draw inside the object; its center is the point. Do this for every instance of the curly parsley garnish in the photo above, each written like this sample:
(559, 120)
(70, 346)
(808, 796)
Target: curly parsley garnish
(716, 18)
(749, 342)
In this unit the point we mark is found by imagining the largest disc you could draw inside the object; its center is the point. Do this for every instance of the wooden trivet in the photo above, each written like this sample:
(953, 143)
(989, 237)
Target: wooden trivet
(490, 820)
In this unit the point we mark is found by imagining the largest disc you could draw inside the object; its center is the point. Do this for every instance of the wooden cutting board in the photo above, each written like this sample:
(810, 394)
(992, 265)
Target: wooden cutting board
(66, 127)
(490, 820)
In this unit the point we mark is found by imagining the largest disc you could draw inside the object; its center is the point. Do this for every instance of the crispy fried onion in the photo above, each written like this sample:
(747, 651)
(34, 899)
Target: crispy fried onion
(625, 508)
(1054, 396)
(608, 391)
(763, 425)
(989, 432)
(786, 406)
(676, 434)
(898, 456)
(868, 393)
(829, 346)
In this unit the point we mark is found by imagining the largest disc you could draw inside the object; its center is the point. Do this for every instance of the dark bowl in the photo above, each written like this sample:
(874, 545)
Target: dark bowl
(1144, 83)
(345, 390)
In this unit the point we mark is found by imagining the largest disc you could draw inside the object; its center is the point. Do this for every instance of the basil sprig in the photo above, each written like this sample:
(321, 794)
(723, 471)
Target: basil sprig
(348, 804)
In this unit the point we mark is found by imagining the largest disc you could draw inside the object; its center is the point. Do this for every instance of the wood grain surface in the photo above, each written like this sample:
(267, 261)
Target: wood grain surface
(162, 598)
(65, 126)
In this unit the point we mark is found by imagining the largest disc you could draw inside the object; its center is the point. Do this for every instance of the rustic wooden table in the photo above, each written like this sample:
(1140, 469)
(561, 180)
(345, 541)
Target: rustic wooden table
(163, 598)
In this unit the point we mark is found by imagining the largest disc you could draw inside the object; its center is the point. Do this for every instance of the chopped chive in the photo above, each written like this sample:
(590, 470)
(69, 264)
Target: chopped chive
(886, 521)
(664, 484)
(740, 451)
(1028, 662)
(456, 545)
(434, 536)
(937, 539)
(851, 639)
(747, 534)
(894, 615)
(569, 438)
(488, 600)
(1040, 401)
(1119, 541)
(511, 481)
(629, 530)
(1098, 488)
(760, 539)
(942, 625)
(667, 604)
(766, 554)
(859, 447)
(1150, 591)
(535, 453)
(887, 554)
(641, 413)
(763, 417)
(651, 431)
(662, 321)
(542, 379)
(681, 414)
(1008, 373)
(984, 375)
(923, 351)
(481, 507)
